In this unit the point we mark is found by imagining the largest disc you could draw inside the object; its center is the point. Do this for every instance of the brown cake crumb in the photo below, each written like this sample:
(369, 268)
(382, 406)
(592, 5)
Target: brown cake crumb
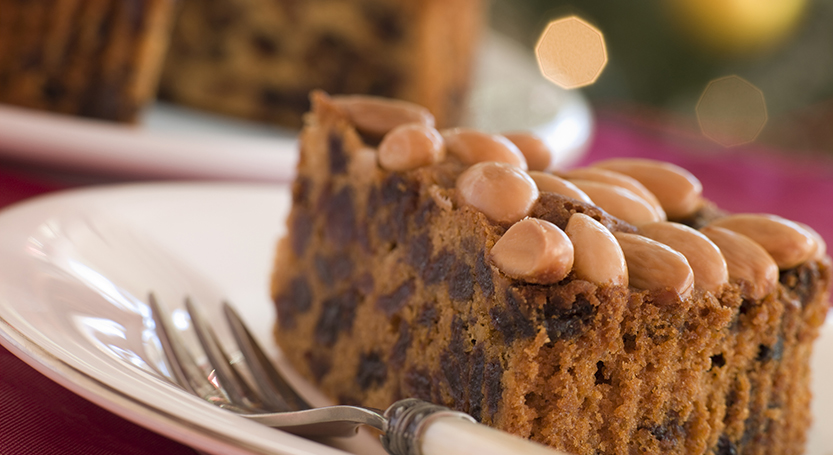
(260, 59)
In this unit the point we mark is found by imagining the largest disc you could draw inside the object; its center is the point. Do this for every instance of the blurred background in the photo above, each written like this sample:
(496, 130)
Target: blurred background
(662, 55)
(773, 61)
(724, 88)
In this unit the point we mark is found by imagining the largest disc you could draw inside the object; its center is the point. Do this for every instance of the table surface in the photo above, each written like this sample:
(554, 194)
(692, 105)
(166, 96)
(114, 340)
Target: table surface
(38, 416)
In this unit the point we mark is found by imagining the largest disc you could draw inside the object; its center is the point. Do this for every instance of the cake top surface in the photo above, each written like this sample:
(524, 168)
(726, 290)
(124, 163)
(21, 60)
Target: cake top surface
(642, 223)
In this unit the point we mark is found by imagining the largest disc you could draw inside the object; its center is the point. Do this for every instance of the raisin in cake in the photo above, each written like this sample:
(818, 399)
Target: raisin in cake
(260, 59)
(97, 59)
(561, 306)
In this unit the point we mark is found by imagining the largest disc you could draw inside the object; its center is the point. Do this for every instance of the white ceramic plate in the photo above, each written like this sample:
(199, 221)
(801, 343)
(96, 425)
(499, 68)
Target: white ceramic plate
(75, 270)
(176, 142)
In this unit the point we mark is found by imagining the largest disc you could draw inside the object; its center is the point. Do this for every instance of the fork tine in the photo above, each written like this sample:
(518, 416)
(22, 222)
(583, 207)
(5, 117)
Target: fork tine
(274, 388)
(185, 370)
(237, 389)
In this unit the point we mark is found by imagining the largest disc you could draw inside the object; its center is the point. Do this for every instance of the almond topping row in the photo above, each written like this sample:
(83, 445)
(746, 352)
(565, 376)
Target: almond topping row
(663, 256)
(507, 173)
(376, 116)
(678, 191)
(619, 202)
(787, 242)
(552, 184)
(600, 175)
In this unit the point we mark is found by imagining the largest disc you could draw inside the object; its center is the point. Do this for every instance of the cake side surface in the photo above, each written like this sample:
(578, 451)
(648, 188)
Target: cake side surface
(259, 59)
(389, 285)
(98, 59)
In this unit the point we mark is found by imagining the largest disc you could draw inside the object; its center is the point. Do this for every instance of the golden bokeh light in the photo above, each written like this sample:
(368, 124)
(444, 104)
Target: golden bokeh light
(731, 111)
(571, 53)
(736, 26)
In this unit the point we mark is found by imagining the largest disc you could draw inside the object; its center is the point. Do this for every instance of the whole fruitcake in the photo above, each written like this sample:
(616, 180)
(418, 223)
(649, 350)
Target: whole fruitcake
(94, 58)
(260, 59)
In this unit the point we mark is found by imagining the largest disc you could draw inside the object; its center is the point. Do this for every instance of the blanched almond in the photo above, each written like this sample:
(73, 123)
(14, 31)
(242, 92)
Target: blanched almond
(535, 251)
(598, 258)
(619, 202)
(746, 261)
(654, 266)
(821, 248)
(411, 146)
(679, 192)
(550, 183)
(502, 192)
(704, 257)
(787, 242)
(472, 146)
(595, 174)
(538, 155)
(377, 116)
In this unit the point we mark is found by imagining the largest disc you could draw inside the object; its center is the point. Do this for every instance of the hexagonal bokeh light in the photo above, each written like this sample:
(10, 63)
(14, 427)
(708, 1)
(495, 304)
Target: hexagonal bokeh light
(731, 111)
(571, 53)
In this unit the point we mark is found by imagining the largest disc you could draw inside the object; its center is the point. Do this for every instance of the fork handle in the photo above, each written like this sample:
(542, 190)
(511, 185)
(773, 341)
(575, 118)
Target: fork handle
(454, 436)
(416, 427)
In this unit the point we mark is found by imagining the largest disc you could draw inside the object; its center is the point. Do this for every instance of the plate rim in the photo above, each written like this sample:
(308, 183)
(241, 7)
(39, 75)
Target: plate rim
(112, 399)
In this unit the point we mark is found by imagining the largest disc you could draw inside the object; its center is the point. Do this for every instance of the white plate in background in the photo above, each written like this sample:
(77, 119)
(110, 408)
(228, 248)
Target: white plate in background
(76, 269)
(177, 142)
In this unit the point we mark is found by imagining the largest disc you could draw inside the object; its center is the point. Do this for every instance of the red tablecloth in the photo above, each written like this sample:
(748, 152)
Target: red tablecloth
(39, 417)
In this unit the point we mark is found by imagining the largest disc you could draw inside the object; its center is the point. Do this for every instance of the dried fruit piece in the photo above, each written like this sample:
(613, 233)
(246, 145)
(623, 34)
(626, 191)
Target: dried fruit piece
(535, 251)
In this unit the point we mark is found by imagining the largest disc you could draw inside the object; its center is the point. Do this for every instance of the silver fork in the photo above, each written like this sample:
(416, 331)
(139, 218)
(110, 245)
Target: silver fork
(409, 427)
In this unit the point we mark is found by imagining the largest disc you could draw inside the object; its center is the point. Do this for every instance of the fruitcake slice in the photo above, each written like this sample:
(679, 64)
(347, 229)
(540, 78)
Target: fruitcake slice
(603, 310)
